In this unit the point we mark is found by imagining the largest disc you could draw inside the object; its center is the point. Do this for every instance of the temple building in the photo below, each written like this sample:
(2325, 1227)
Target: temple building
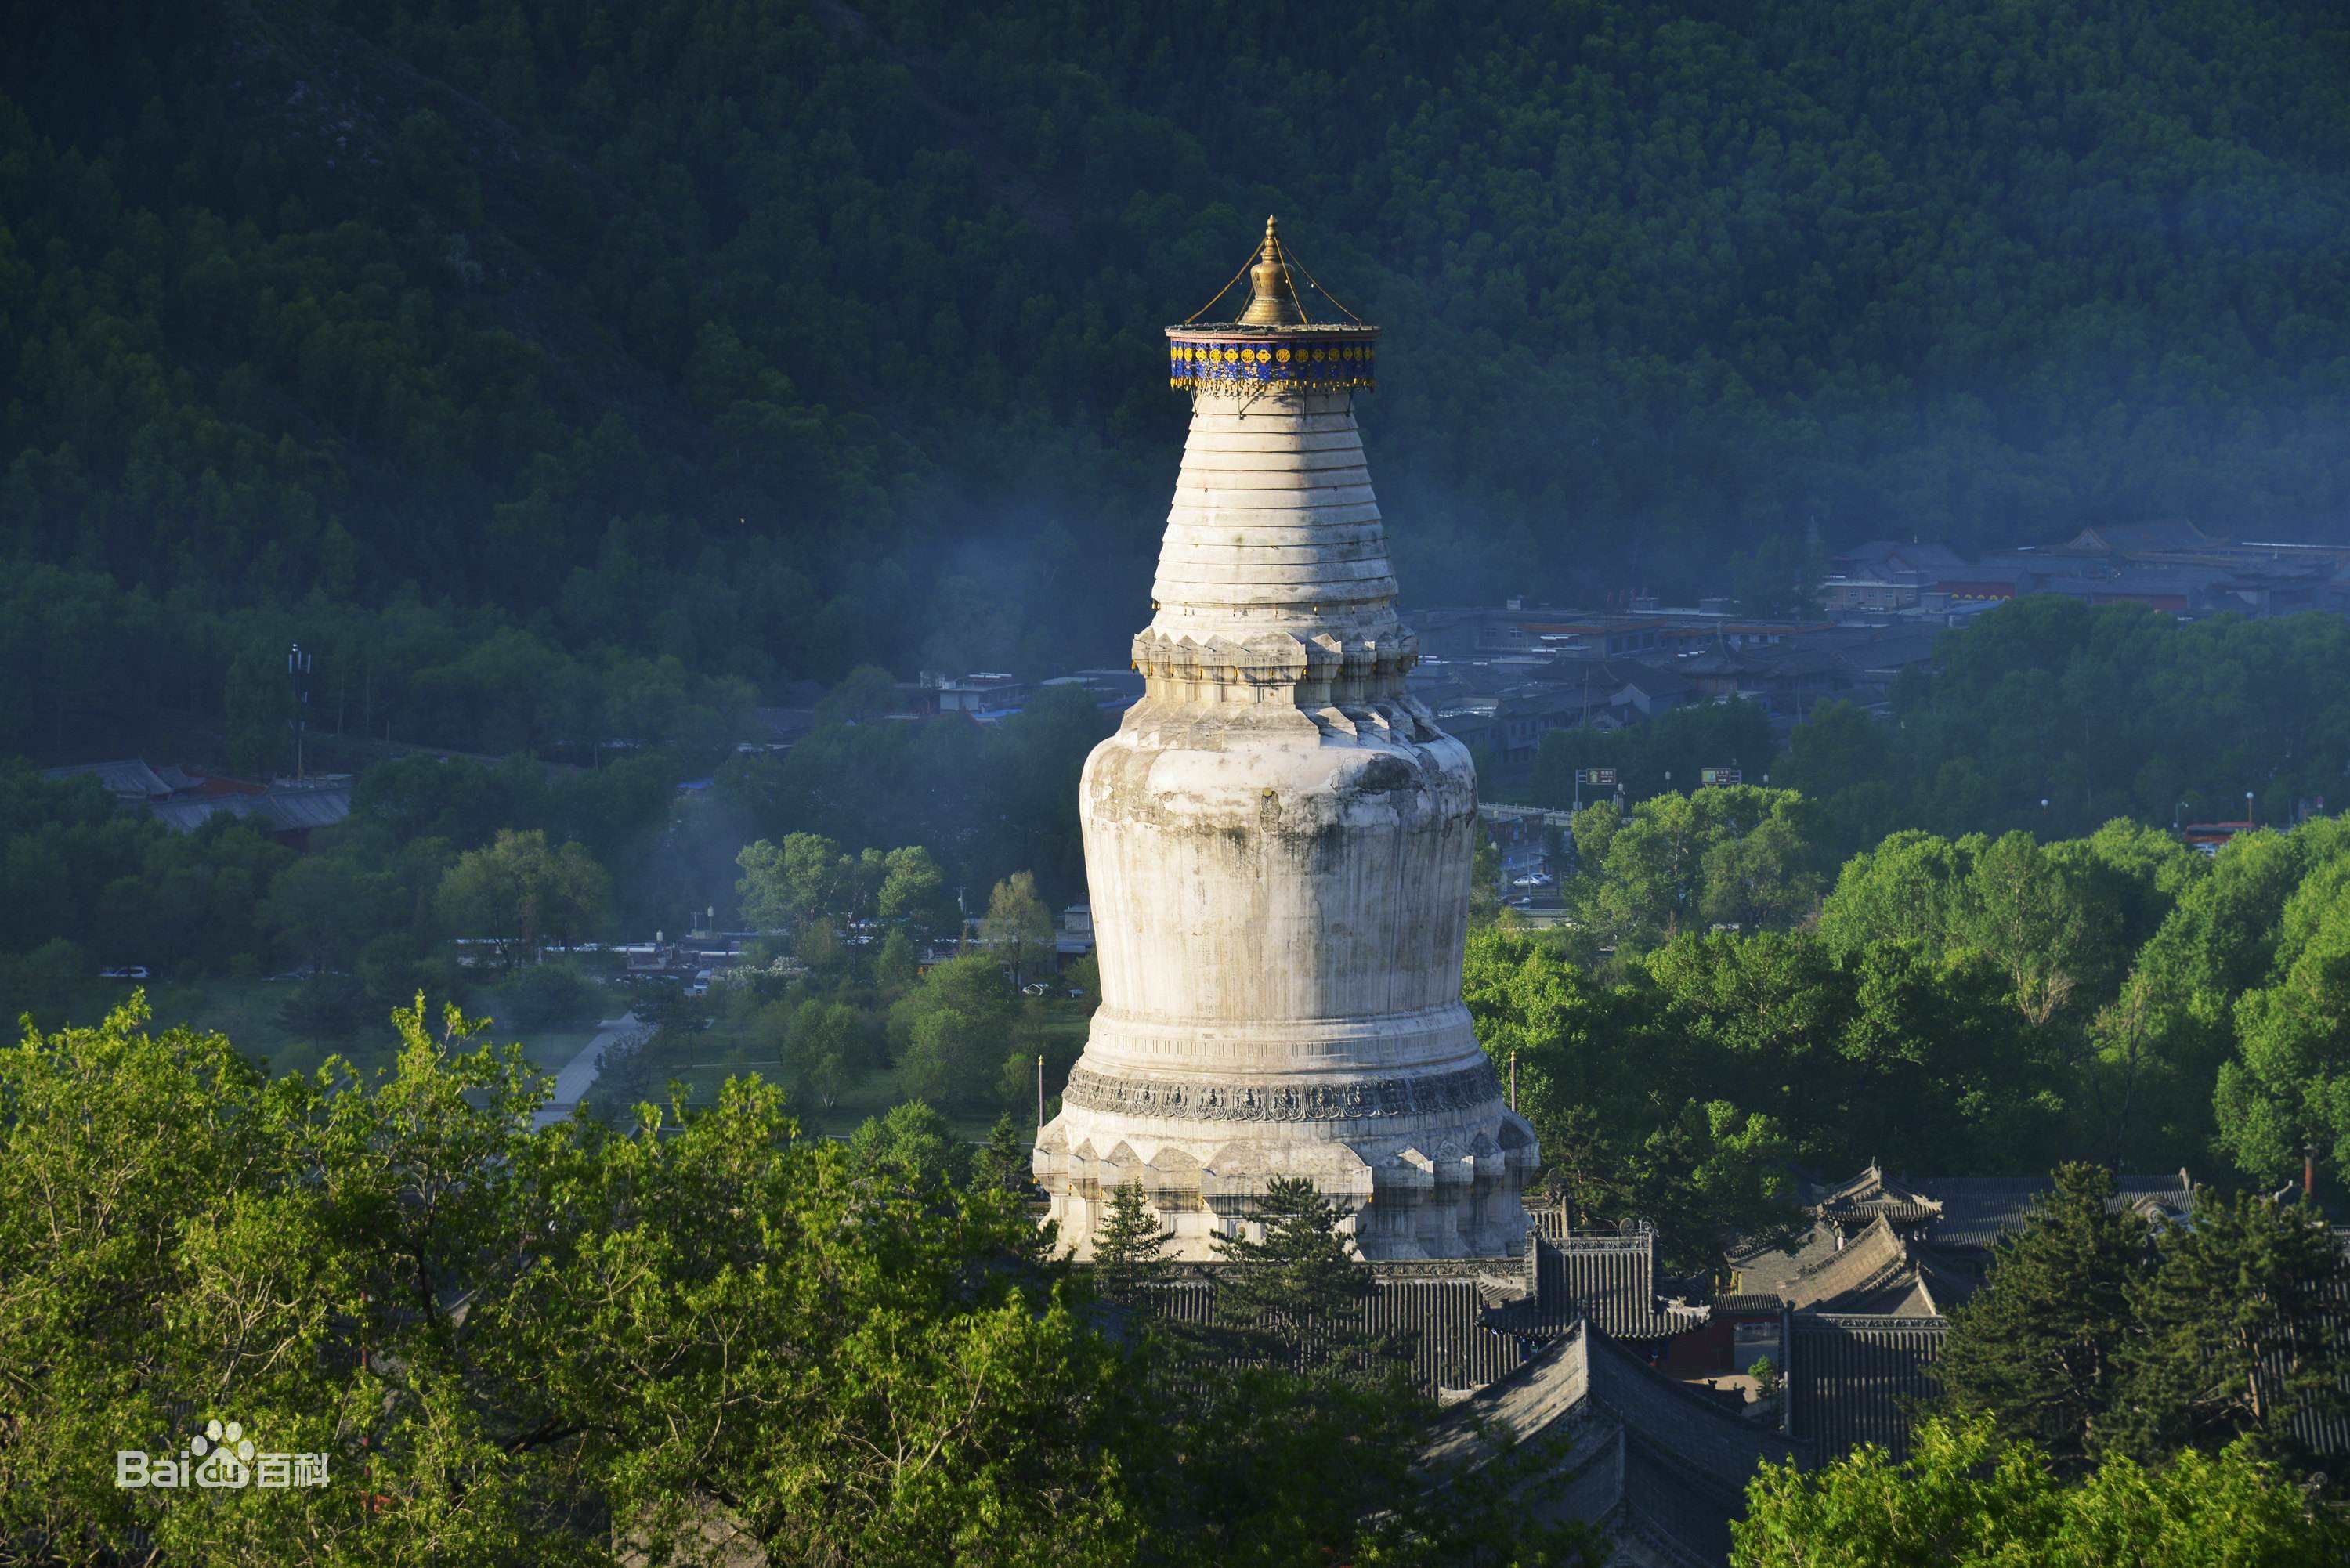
(1278, 842)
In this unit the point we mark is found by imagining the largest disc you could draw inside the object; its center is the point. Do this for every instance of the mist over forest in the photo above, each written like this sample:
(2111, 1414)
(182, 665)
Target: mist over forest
(779, 339)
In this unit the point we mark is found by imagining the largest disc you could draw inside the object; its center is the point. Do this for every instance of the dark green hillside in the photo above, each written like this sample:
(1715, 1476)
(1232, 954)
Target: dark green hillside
(774, 337)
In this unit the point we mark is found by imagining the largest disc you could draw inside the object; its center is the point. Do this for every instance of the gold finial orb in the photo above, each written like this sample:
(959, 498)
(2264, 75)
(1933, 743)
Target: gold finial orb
(1273, 300)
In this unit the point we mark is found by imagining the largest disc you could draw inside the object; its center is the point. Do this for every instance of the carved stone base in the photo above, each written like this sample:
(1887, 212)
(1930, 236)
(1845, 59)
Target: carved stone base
(1451, 1191)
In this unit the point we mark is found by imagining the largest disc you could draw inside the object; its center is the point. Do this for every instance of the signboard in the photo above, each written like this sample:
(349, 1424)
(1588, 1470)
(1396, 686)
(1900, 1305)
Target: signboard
(1719, 776)
(1595, 775)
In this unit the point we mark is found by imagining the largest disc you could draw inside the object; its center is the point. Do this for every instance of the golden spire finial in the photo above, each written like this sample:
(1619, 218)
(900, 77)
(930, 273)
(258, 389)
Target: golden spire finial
(1273, 300)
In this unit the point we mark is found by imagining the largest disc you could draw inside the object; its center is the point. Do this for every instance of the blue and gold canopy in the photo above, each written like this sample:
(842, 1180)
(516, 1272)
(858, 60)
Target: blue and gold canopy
(1275, 347)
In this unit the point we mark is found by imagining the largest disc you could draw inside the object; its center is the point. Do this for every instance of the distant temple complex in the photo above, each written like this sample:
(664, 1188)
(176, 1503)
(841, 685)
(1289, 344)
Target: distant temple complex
(1278, 842)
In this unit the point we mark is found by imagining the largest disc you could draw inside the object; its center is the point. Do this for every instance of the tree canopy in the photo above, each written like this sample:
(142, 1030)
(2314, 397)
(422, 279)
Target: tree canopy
(557, 1345)
(1966, 1499)
(774, 343)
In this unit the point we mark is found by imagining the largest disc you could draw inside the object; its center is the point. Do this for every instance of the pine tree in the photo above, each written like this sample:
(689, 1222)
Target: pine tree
(1005, 1159)
(2037, 1349)
(1300, 1299)
(1128, 1248)
(2238, 1332)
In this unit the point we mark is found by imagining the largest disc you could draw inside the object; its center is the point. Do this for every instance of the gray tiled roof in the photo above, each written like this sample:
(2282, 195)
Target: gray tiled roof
(1658, 1469)
(1850, 1377)
(2321, 1431)
(281, 810)
(1869, 1272)
(307, 807)
(1768, 1270)
(187, 815)
(1609, 1276)
(1978, 1210)
(1870, 1194)
(1445, 1318)
(130, 778)
(1687, 1463)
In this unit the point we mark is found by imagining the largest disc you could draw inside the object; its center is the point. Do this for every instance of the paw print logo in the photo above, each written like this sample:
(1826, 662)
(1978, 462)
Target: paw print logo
(231, 1439)
(224, 1454)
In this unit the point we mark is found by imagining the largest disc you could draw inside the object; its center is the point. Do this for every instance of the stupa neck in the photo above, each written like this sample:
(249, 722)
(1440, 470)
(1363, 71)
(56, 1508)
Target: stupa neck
(1274, 572)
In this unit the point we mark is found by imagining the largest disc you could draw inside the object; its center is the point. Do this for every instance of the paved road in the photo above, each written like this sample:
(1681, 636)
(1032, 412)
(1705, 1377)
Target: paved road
(578, 1074)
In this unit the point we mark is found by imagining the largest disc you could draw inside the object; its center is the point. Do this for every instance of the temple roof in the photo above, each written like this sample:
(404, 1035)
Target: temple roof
(1443, 1311)
(1978, 1210)
(1608, 1277)
(1870, 1273)
(1851, 1379)
(1658, 1469)
(1767, 1270)
(1871, 1194)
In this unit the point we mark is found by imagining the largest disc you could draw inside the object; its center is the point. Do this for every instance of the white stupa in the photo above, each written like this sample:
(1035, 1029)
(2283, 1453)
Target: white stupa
(1278, 843)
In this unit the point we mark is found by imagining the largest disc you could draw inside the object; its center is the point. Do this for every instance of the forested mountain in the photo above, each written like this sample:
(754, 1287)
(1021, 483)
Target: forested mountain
(776, 337)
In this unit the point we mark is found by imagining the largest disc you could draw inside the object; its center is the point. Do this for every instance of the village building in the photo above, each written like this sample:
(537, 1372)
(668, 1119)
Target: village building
(288, 810)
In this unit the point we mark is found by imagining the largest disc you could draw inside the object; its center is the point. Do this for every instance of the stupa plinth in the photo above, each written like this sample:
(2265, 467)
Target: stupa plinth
(1278, 842)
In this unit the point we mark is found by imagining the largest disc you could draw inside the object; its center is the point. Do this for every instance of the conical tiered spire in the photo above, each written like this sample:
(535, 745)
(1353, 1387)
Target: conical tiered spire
(1274, 569)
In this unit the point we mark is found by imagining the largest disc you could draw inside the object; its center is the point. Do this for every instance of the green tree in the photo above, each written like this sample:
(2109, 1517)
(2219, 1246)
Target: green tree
(2287, 1087)
(1017, 925)
(259, 708)
(2040, 1351)
(2052, 918)
(1485, 882)
(913, 895)
(912, 1144)
(1005, 1159)
(897, 966)
(948, 1055)
(1781, 580)
(1733, 855)
(2160, 1045)
(2236, 1332)
(41, 984)
(786, 886)
(519, 892)
(325, 908)
(1298, 1300)
(827, 1047)
(1969, 1498)
(1128, 1245)
(863, 695)
(325, 1216)
(1712, 1175)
